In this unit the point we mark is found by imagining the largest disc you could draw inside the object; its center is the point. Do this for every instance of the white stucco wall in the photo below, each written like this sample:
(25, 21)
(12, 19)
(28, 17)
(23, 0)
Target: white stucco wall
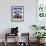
(29, 15)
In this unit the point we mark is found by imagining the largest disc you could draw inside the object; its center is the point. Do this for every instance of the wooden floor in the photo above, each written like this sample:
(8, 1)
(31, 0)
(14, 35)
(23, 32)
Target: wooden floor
(13, 44)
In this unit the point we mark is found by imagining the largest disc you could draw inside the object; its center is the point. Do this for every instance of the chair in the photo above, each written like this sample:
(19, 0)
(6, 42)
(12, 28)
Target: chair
(26, 41)
(14, 32)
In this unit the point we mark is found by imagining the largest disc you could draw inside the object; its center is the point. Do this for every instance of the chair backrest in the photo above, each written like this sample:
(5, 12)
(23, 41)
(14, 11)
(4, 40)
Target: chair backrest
(14, 30)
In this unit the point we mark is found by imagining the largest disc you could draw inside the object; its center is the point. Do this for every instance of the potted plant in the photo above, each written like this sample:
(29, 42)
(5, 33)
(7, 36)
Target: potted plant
(39, 35)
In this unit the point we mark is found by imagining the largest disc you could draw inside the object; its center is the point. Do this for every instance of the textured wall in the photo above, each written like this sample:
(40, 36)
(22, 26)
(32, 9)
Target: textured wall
(29, 15)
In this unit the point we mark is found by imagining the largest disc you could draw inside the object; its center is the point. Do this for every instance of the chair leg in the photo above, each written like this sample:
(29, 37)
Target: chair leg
(17, 39)
(5, 40)
(5, 43)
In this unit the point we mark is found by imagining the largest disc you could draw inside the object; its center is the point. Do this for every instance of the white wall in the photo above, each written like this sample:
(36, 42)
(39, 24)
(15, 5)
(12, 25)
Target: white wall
(29, 15)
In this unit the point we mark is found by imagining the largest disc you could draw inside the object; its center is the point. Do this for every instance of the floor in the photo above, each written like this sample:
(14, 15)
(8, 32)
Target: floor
(13, 44)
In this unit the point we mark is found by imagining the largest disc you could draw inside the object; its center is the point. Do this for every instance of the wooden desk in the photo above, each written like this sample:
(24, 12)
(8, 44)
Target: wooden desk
(17, 43)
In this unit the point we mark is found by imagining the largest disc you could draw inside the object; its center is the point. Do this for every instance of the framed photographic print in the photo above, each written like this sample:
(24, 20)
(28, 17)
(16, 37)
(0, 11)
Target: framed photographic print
(17, 13)
(41, 8)
(41, 12)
